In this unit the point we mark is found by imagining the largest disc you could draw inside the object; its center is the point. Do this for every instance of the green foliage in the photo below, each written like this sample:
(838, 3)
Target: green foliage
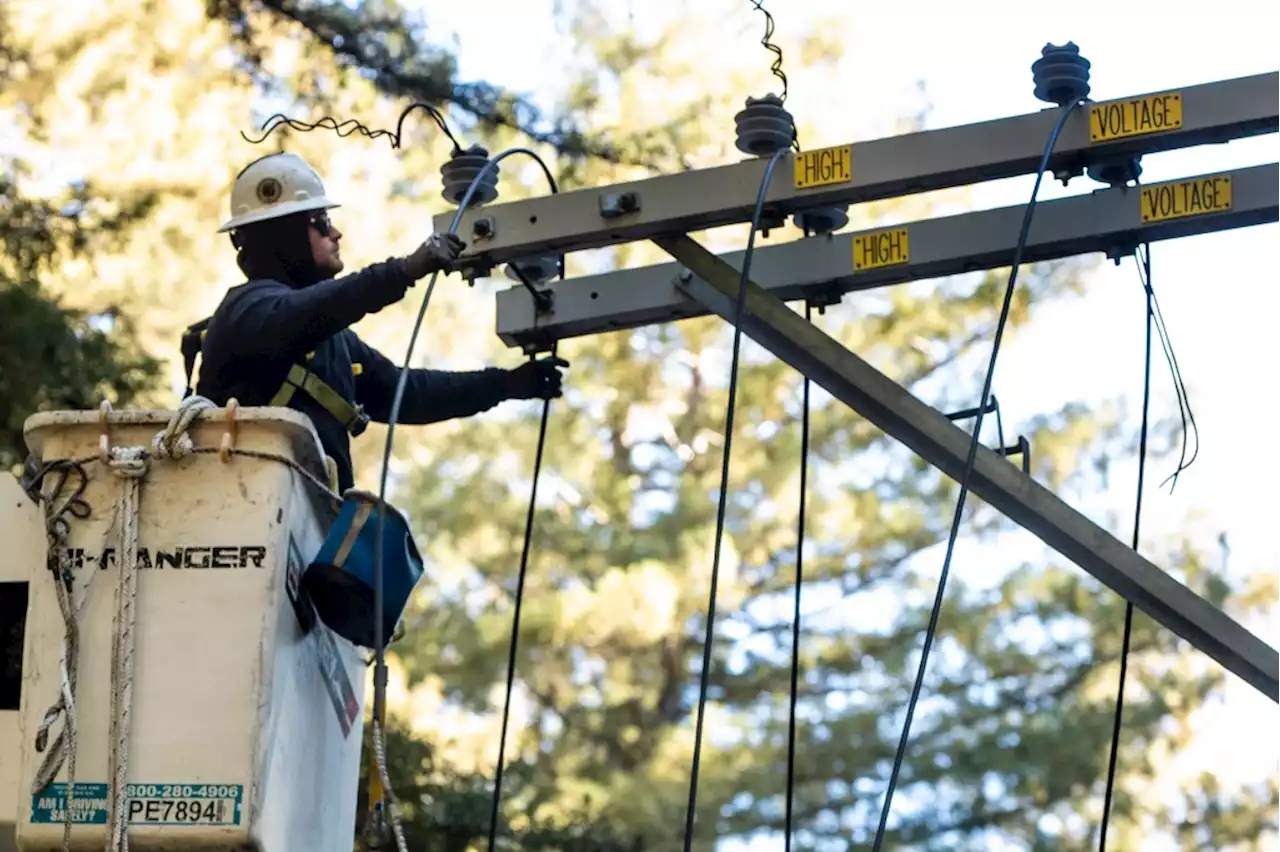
(380, 40)
(53, 356)
(444, 810)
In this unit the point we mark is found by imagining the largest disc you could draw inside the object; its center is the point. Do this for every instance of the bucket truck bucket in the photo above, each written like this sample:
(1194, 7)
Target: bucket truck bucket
(244, 710)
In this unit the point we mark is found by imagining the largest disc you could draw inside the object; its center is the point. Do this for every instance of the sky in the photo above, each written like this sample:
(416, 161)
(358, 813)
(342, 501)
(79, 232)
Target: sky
(976, 66)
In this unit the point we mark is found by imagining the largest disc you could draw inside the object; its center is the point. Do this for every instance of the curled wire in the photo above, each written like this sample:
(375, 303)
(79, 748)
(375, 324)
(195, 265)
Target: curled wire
(776, 67)
(350, 126)
(1179, 386)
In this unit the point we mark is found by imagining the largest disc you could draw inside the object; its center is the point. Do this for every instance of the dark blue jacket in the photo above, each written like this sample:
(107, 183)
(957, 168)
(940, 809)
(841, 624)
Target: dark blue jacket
(264, 327)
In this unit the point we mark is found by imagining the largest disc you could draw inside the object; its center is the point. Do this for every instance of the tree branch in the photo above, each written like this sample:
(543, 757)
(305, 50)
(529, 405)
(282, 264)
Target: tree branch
(363, 39)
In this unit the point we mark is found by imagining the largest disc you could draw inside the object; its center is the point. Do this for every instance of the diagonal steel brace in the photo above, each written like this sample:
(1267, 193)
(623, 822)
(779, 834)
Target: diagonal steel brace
(893, 409)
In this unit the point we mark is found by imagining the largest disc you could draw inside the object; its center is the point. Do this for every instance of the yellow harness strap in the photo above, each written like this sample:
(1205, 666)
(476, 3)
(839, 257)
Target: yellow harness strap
(352, 417)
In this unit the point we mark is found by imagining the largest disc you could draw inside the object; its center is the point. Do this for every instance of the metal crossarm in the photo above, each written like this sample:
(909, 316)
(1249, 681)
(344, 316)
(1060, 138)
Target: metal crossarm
(929, 434)
(867, 171)
(825, 268)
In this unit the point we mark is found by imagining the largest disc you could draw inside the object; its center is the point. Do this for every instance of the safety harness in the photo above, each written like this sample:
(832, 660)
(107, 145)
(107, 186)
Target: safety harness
(300, 378)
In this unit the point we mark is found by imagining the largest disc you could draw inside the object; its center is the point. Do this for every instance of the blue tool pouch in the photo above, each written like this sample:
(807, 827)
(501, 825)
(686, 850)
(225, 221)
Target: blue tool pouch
(339, 581)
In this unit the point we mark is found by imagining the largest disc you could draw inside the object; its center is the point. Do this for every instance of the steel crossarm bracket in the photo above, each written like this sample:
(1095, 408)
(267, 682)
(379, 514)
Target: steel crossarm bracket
(866, 171)
(930, 435)
(823, 269)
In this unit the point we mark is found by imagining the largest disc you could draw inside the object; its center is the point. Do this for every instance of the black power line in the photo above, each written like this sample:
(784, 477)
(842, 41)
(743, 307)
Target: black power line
(931, 630)
(795, 623)
(704, 679)
(1144, 272)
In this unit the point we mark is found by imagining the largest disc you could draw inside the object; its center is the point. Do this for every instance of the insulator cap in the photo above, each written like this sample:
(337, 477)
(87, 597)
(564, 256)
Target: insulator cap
(823, 220)
(538, 269)
(1061, 74)
(461, 169)
(764, 127)
(1116, 172)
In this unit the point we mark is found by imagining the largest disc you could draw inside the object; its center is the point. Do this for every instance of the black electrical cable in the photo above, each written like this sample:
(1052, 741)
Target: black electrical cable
(541, 298)
(776, 67)
(704, 679)
(1143, 260)
(380, 665)
(931, 630)
(795, 622)
(515, 618)
(350, 126)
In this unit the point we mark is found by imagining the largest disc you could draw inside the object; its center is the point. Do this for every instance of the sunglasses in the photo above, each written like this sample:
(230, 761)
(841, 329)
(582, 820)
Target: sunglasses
(321, 223)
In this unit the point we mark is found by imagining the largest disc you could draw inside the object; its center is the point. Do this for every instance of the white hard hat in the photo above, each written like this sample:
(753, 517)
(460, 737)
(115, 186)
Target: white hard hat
(275, 185)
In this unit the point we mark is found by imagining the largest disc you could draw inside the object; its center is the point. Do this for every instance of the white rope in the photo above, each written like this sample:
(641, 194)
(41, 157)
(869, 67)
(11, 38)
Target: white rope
(64, 746)
(380, 755)
(130, 464)
(174, 442)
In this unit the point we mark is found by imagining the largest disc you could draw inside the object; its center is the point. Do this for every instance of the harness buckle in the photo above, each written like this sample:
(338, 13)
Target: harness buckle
(358, 423)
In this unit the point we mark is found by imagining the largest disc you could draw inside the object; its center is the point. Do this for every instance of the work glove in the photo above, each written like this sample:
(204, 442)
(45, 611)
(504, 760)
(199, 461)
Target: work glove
(437, 253)
(536, 379)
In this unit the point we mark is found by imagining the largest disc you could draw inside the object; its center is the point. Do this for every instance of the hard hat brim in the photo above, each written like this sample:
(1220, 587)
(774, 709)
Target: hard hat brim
(277, 211)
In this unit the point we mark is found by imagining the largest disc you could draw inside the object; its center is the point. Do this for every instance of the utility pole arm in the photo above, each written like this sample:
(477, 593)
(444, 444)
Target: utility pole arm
(825, 268)
(859, 172)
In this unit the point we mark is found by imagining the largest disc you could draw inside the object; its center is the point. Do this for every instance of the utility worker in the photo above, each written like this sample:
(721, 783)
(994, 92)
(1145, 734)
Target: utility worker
(282, 337)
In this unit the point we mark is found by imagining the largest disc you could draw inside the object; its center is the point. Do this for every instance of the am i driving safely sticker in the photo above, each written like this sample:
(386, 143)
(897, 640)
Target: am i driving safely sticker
(149, 804)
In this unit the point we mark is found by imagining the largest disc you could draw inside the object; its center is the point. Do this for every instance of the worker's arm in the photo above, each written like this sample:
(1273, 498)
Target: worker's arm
(429, 395)
(434, 395)
(268, 317)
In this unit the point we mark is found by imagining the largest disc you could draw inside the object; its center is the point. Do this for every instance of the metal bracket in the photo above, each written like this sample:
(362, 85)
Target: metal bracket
(615, 204)
(1022, 448)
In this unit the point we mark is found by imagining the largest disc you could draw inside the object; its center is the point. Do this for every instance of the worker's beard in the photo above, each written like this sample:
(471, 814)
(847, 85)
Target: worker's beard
(278, 249)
